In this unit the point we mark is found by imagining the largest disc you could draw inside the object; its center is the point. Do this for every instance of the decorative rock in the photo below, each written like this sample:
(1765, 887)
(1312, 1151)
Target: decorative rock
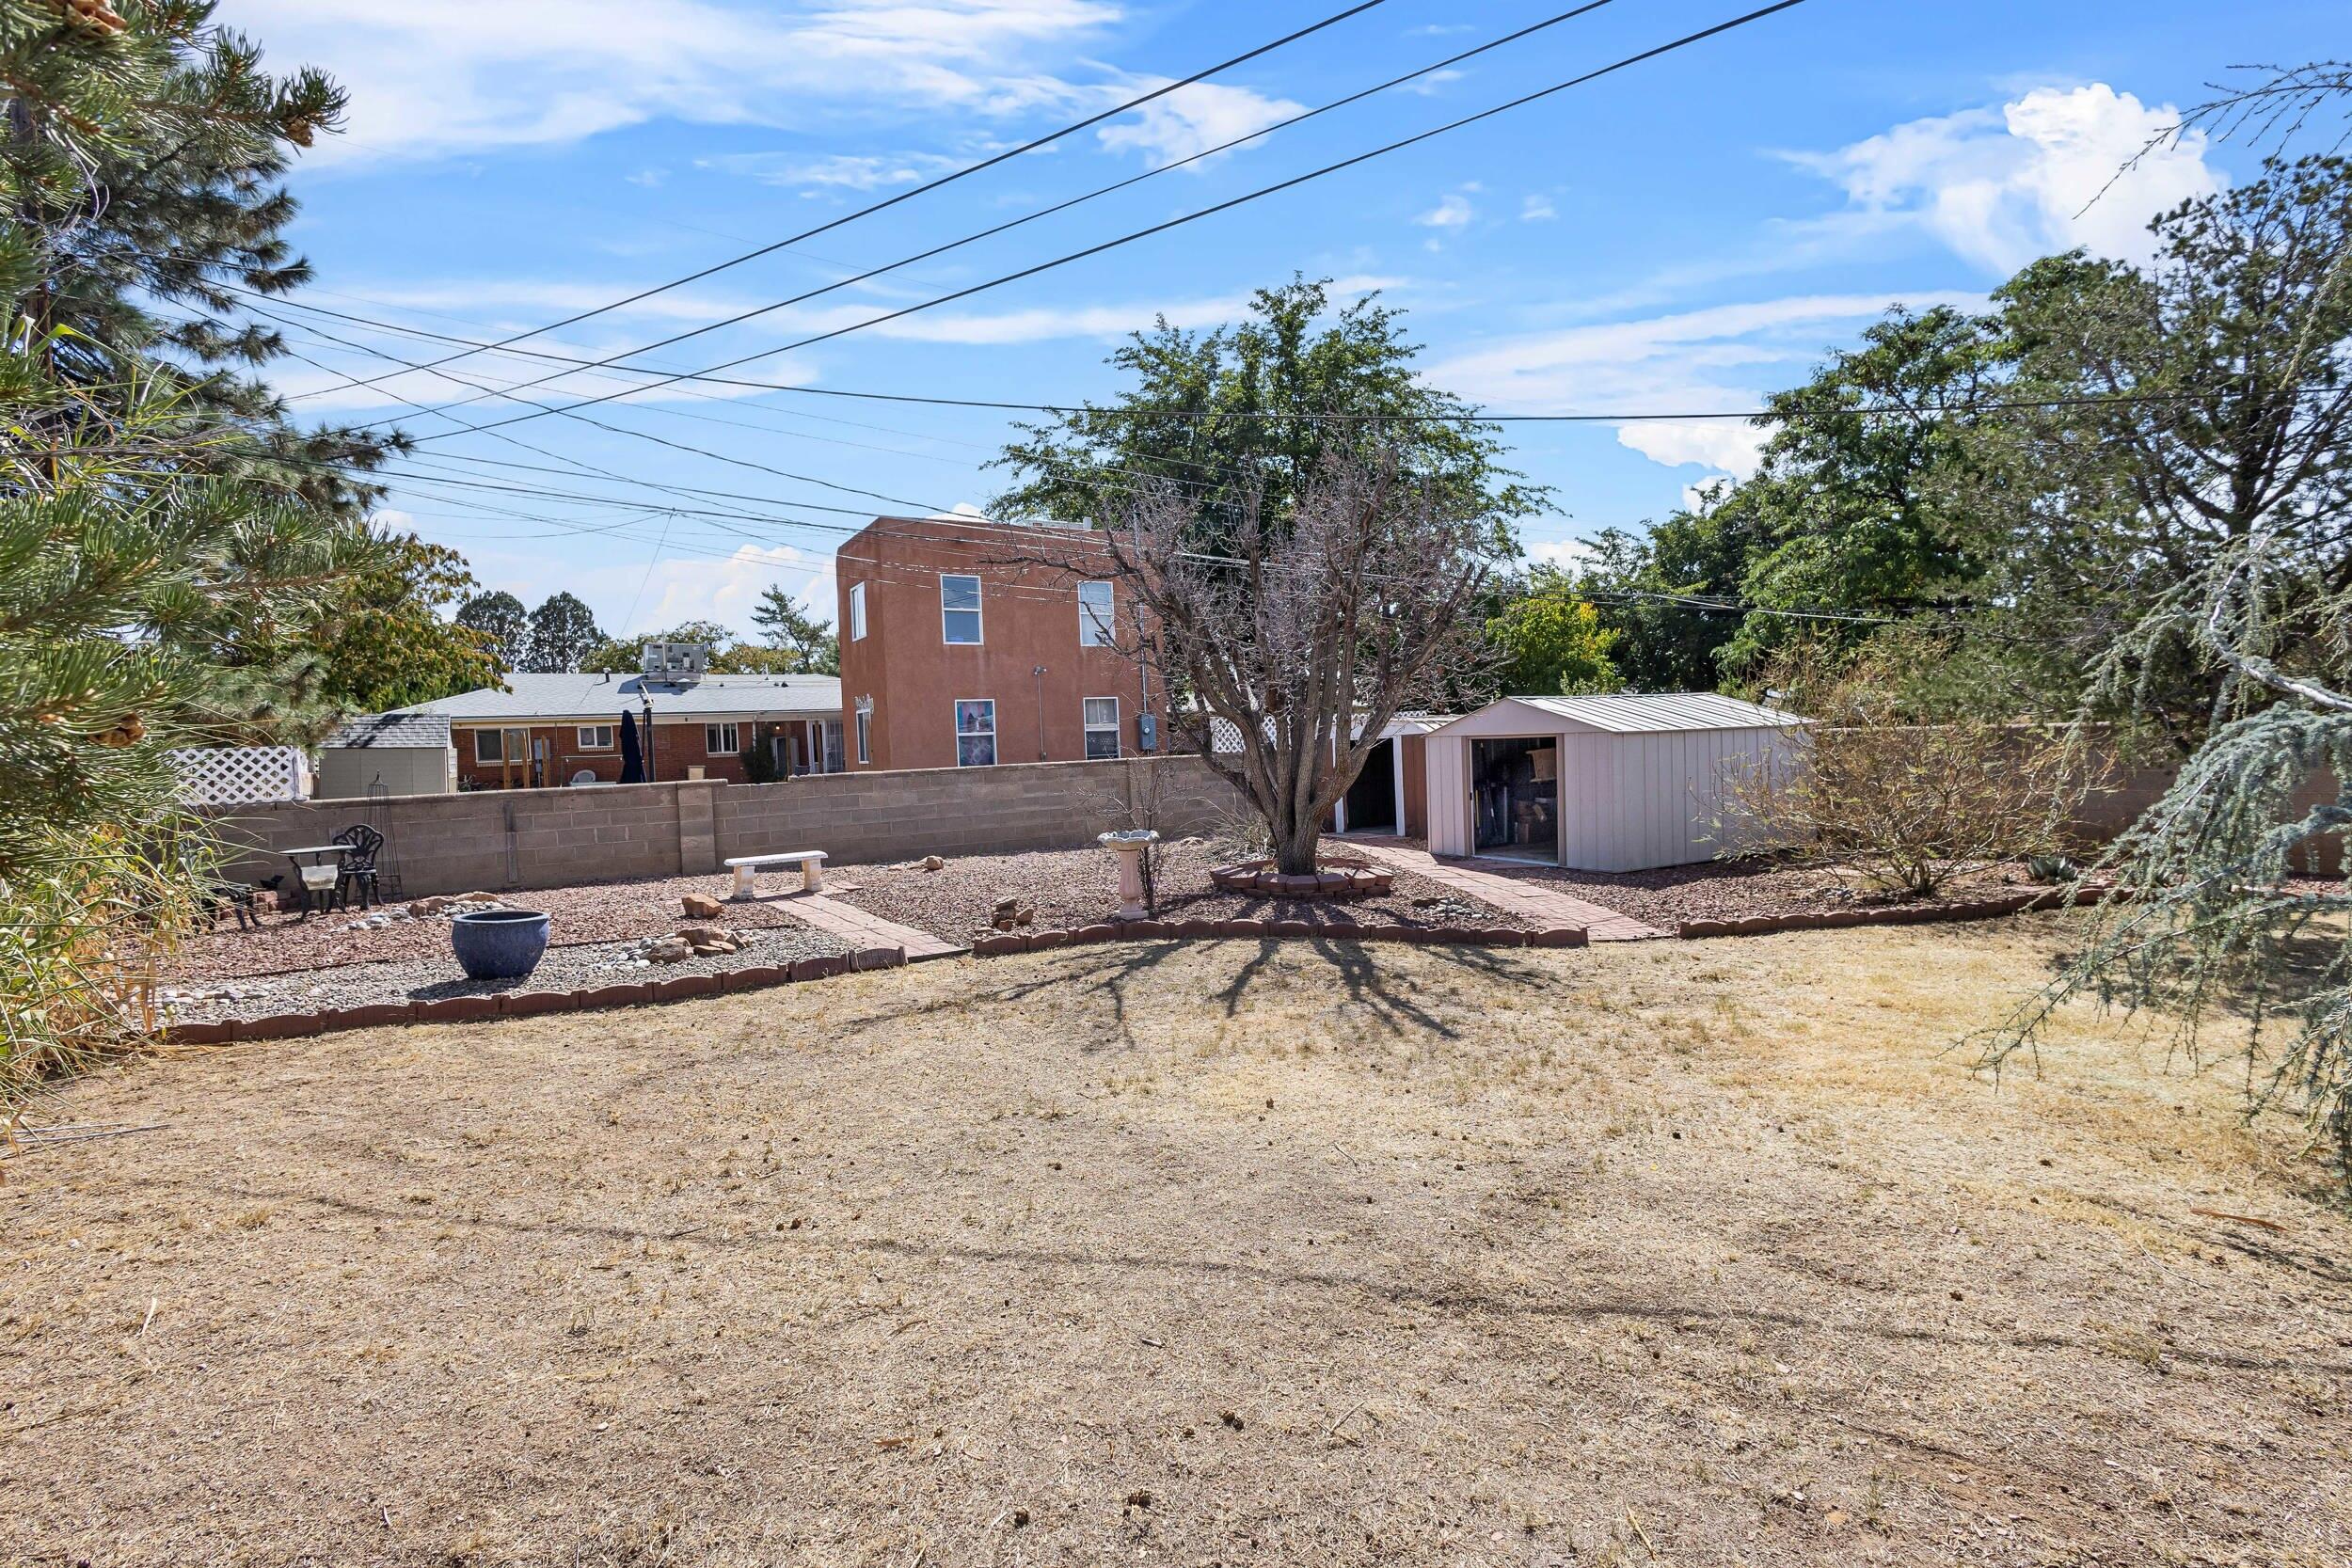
(670, 950)
(933, 862)
(701, 906)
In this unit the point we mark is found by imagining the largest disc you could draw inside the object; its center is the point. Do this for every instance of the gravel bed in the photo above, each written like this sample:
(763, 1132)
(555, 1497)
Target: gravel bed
(571, 968)
(1078, 887)
(1736, 889)
(583, 913)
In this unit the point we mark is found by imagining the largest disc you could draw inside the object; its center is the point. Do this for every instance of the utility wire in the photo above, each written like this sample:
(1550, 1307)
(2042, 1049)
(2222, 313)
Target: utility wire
(1033, 216)
(949, 179)
(1178, 222)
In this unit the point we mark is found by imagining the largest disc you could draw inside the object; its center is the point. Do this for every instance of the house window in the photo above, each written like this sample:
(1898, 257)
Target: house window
(1102, 726)
(595, 737)
(486, 746)
(718, 740)
(857, 612)
(1094, 615)
(865, 731)
(975, 733)
(959, 609)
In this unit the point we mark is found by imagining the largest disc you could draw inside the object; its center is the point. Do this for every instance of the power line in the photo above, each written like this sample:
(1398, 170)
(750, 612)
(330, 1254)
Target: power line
(949, 179)
(1262, 192)
(1033, 216)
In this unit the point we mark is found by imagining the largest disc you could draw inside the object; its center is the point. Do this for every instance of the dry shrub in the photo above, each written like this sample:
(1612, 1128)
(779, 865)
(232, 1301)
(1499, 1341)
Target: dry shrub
(88, 929)
(1903, 805)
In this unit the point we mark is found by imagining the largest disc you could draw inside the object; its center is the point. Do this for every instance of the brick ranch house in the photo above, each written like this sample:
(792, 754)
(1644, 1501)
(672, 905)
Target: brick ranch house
(966, 643)
(549, 730)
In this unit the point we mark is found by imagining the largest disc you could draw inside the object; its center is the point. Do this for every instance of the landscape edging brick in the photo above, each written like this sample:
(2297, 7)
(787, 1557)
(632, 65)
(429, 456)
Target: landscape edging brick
(1994, 908)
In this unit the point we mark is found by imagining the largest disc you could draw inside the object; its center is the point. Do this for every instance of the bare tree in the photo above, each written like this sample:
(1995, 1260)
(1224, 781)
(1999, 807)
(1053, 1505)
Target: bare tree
(1287, 640)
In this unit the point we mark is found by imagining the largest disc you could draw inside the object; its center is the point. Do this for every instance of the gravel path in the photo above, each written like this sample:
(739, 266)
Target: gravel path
(568, 968)
(588, 913)
(1078, 887)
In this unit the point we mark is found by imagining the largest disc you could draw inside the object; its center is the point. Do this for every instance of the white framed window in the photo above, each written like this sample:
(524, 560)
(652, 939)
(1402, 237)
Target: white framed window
(595, 737)
(487, 746)
(1094, 615)
(976, 731)
(857, 612)
(1100, 716)
(719, 741)
(864, 732)
(959, 609)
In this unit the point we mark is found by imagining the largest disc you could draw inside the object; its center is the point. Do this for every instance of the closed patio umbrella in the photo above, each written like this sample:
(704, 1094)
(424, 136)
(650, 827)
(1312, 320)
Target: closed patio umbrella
(632, 760)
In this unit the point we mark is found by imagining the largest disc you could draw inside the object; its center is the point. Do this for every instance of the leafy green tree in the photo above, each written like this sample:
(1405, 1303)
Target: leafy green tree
(1670, 592)
(504, 629)
(812, 645)
(1555, 643)
(2235, 352)
(1249, 416)
(391, 647)
(563, 635)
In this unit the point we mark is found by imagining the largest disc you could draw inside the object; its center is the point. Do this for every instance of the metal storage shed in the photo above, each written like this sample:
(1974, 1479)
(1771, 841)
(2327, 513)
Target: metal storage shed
(388, 754)
(1596, 784)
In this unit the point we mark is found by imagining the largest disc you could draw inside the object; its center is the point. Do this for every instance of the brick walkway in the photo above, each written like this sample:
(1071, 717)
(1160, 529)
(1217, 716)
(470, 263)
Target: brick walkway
(1530, 899)
(860, 930)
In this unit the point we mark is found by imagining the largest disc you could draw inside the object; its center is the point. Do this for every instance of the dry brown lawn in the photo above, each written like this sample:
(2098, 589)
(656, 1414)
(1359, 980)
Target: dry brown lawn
(1689, 1254)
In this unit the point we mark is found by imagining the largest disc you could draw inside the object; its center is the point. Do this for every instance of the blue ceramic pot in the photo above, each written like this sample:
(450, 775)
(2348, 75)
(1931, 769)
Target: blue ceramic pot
(499, 944)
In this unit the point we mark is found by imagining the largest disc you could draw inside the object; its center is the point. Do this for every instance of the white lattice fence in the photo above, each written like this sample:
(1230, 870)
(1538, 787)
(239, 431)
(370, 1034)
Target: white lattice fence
(239, 775)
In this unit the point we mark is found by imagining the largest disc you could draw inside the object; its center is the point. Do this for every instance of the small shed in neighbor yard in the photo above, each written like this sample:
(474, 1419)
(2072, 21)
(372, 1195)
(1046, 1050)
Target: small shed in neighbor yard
(390, 753)
(1621, 783)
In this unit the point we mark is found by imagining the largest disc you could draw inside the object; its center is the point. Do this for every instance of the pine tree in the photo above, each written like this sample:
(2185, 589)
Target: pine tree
(811, 644)
(505, 630)
(563, 635)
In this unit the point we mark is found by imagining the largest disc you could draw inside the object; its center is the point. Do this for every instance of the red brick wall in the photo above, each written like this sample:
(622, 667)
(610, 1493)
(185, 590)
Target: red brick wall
(676, 747)
(1029, 618)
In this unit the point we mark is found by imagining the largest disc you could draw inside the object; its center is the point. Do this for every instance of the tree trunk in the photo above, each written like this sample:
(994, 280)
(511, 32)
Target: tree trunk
(1294, 844)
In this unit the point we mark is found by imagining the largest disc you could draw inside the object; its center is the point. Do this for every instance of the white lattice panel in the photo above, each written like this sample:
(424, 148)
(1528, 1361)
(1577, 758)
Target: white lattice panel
(239, 775)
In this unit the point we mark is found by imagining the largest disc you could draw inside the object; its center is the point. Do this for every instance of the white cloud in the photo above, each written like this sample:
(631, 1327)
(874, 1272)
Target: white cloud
(1568, 555)
(1453, 212)
(2038, 175)
(437, 77)
(1719, 359)
(1191, 120)
(841, 170)
(1537, 208)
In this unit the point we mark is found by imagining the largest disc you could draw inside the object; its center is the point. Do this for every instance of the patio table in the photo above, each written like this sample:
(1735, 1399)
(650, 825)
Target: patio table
(308, 854)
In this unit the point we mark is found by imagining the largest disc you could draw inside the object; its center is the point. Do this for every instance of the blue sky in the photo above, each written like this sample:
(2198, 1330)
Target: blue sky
(1684, 235)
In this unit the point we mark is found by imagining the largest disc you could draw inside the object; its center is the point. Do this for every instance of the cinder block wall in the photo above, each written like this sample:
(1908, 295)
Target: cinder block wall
(526, 838)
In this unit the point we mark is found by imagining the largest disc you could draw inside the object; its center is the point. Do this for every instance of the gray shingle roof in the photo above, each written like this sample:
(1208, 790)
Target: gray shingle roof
(602, 698)
(383, 730)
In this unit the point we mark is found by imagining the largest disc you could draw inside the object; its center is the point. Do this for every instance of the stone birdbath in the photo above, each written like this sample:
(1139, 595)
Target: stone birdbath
(1129, 846)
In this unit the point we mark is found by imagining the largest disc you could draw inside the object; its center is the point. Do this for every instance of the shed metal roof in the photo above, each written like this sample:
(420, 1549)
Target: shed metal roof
(391, 731)
(602, 698)
(1649, 713)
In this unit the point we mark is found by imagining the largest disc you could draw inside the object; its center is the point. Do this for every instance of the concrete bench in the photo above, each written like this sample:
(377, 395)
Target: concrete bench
(811, 861)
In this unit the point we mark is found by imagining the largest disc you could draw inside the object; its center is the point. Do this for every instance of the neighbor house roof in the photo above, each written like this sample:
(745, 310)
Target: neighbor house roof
(1650, 713)
(389, 730)
(602, 698)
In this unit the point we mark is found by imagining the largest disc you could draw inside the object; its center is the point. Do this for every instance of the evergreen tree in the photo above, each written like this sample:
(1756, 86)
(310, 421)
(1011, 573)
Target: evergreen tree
(811, 644)
(499, 617)
(563, 635)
